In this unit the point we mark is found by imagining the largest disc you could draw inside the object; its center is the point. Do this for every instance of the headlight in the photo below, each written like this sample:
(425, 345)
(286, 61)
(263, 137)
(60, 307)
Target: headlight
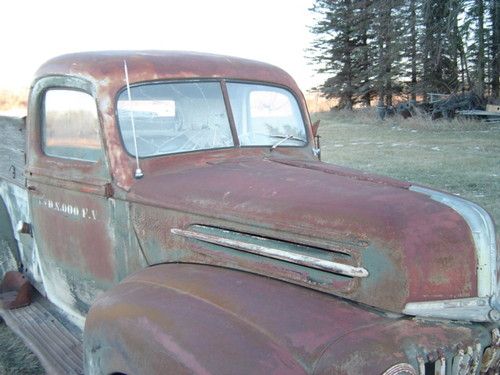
(401, 369)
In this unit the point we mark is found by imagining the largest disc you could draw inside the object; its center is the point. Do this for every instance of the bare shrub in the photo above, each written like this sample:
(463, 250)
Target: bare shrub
(13, 99)
(422, 120)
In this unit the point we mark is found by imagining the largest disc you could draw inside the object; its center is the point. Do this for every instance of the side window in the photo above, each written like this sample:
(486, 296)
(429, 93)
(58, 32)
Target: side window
(70, 126)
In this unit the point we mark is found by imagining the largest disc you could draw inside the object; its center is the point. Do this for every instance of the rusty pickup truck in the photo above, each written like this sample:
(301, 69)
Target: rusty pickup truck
(166, 212)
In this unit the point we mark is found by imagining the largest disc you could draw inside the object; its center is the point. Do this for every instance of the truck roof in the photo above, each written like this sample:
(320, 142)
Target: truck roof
(105, 67)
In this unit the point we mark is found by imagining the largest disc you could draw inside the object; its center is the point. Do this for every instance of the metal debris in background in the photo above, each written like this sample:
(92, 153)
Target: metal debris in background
(467, 105)
(441, 106)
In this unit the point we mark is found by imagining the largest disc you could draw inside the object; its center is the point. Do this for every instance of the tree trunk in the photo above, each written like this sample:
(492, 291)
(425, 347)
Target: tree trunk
(413, 49)
(366, 64)
(347, 68)
(480, 50)
(454, 35)
(495, 48)
(384, 49)
(460, 56)
(427, 48)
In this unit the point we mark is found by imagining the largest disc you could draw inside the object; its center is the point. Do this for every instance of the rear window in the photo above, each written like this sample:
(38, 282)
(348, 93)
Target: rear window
(70, 126)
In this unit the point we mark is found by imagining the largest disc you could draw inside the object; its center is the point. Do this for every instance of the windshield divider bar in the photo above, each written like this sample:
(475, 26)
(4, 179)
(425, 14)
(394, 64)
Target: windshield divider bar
(230, 115)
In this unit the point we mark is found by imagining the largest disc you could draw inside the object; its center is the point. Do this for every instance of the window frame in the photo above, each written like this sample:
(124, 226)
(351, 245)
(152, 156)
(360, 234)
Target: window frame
(248, 105)
(61, 169)
(223, 86)
(174, 81)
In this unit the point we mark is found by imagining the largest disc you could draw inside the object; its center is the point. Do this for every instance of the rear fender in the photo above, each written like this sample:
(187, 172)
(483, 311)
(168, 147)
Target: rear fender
(22, 251)
(10, 259)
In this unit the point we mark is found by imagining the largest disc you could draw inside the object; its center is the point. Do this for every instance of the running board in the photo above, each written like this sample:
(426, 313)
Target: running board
(58, 348)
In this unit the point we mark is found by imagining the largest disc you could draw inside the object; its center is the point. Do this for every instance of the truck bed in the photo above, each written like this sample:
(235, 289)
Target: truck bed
(12, 149)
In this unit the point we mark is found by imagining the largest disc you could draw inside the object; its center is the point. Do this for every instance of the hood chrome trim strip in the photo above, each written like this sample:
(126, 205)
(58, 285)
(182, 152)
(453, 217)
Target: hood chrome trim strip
(287, 256)
(470, 309)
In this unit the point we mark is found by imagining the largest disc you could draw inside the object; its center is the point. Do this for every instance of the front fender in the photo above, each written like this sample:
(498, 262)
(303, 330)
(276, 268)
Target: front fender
(167, 320)
(186, 318)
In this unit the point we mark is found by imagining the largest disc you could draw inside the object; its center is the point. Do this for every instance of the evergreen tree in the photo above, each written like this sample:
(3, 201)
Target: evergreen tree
(388, 39)
(343, 49)
(378, 48)
(477, 36)
(333, 49)
(495, 47)
(364, 16)
(439, 65)
(480, 37)
(411, 51)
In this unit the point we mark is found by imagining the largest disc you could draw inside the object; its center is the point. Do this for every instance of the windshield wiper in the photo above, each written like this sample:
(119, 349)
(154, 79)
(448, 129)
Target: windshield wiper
(285, 138)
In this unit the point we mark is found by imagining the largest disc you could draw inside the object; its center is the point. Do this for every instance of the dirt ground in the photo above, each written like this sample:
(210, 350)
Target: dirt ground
(461, 157)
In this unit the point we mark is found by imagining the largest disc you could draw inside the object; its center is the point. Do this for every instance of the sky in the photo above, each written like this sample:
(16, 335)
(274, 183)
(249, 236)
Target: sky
(273, 31)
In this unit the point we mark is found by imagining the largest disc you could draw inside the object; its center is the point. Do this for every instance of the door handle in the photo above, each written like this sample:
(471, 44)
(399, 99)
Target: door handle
(33, 191)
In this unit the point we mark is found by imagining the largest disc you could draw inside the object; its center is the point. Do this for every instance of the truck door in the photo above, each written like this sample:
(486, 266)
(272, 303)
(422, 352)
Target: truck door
(69, 190)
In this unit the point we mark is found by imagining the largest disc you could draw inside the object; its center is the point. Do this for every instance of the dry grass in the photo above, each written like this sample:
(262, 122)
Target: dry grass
(318, 103)
(15, 358)
(458, 156)
(13, 100)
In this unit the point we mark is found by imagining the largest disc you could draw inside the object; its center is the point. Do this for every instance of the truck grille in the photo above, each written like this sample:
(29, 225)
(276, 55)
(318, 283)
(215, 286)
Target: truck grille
(470, 360)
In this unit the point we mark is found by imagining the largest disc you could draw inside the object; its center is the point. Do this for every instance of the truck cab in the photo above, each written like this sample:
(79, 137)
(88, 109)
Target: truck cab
(84, 152)
(180, 220)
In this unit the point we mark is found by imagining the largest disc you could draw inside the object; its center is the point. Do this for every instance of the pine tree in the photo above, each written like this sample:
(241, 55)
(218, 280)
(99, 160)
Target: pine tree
(439, 65)
(480, 67)
(364, 72)
(412, 50)
(378, 48)
(333, 48)
(494, 9)
(476, 38)
(388, 27)
(342, 48)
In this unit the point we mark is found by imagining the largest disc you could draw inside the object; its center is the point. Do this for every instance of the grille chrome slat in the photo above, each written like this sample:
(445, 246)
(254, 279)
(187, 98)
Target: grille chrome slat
(440, 365)
(476, 356)
(470, 360)
(421, 365)
(457, 362)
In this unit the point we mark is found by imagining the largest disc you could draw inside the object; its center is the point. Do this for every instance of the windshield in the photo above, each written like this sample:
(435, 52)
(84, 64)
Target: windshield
(187, 116)
(174, 117)
(265, 115)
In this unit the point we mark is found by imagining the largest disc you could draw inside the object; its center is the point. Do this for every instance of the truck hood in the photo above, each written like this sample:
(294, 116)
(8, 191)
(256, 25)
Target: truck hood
(410, 247)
